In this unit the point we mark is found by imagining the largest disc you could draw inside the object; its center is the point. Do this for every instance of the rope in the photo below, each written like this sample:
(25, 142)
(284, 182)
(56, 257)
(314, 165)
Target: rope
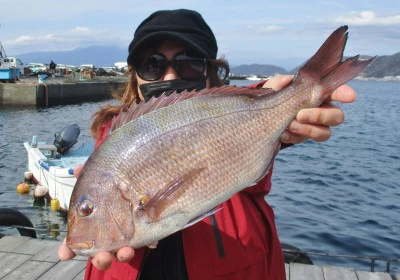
(38, 229)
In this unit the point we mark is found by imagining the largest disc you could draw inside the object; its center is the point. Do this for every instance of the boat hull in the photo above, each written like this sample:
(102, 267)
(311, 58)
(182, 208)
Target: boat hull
(55, 171)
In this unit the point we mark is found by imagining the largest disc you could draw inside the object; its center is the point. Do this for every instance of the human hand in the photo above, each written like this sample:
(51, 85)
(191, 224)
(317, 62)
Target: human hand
(313, 123)
(101, 260)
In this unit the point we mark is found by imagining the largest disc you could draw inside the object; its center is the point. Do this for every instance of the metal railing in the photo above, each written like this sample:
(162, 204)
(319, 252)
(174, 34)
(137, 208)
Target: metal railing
(371, 258)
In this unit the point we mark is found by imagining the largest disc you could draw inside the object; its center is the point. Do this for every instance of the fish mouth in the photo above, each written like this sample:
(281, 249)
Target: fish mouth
(81, 245)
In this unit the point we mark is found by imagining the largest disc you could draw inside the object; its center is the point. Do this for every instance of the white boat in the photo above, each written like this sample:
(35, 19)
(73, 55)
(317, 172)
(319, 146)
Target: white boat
(54, 170)
(253, 78)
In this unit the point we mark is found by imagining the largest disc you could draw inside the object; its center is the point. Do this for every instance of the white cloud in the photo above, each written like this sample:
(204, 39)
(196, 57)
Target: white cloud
(368, 18)
(243, 30)
(21, 40)
(63, 40)
(271, 29)
(80, 30)
(264, 29)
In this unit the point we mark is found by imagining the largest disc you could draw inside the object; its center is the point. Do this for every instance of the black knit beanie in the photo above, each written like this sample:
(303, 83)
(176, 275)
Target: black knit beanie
(186, 26)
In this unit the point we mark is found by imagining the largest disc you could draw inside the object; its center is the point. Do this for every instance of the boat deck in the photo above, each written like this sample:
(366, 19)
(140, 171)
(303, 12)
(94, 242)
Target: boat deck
(71, 159)
(26, 258)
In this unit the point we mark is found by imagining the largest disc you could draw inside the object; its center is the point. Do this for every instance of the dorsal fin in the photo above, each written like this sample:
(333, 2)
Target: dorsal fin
(138, 109)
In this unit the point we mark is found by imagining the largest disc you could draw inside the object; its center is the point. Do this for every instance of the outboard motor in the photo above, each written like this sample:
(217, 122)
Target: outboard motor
(66, 138)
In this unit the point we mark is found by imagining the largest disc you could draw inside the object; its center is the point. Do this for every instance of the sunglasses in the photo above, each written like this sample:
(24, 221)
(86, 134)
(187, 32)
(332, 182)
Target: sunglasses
(188, 68)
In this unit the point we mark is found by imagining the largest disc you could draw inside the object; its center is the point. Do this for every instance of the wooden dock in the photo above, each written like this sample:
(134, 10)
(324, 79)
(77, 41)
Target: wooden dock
(296, 271)
(26, 258)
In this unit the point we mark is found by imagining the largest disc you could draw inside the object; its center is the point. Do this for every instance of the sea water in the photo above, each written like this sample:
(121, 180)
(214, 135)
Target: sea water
(340, 197)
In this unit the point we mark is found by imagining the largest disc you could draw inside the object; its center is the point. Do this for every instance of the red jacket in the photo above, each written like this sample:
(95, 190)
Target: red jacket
(249, 237)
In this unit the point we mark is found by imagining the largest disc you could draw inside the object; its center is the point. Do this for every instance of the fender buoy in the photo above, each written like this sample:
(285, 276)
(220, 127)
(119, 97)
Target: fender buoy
(40, 191)
(55, 204)
(12, 217)
(294, 254)
(28, 175)
(23, 188)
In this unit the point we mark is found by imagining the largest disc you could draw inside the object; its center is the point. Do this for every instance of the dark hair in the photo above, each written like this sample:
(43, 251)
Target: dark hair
(217, 69)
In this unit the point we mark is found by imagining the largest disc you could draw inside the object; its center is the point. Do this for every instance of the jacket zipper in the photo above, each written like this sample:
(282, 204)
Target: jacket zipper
(218, 239)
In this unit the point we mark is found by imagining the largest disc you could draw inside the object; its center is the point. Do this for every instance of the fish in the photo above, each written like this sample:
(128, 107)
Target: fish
(170, 162)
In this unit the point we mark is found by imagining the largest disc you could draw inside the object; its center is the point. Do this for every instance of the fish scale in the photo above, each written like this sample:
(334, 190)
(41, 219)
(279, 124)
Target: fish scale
(173, 159)
(229, 159)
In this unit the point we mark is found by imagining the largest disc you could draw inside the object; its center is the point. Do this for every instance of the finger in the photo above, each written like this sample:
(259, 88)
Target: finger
(125, 254)
(297, 133)
(327, 114)
(291, 138)
(102, 260)
(77, 170)
(344, 94)
(64, 253)
(278, 82)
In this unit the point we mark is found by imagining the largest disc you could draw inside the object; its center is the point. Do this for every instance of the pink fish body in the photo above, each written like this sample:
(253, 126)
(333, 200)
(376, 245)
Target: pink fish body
(176, 158)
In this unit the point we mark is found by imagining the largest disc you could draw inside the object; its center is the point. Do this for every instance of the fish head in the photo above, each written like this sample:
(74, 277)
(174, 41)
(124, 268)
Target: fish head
(100, 216)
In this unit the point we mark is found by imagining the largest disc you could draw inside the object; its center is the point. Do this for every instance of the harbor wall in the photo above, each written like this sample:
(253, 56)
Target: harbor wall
(44, 95)
(18, 94)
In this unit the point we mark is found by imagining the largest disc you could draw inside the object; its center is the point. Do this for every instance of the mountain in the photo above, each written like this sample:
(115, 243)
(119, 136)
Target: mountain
(257, 69)
(388, 65)
(382, 66)
(96, 55)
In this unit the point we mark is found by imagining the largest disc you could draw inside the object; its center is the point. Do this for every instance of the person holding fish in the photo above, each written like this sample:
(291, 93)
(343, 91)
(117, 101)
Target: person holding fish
(172, 54)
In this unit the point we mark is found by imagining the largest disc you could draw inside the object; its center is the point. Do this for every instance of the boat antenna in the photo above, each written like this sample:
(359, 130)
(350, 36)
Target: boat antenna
(2, 50)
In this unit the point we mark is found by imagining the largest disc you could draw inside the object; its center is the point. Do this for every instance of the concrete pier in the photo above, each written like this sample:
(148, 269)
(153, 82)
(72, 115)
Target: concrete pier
(52, 94)
(18, 94)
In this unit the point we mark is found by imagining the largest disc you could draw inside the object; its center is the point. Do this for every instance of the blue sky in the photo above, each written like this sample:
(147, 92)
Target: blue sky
(283, 33)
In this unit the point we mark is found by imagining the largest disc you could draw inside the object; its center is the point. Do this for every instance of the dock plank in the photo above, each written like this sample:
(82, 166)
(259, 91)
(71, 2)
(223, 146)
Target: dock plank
(287, 270)
(73, 269)
(80, 276)
(43, 250)
(305, 272)
(48, 252)
(29, 270)
(297, 271)
(10, 262)
(362, 275)
(31, 259)
(9, 243)
(338, 273)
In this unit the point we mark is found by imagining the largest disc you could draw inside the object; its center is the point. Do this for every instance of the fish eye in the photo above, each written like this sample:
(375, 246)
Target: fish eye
(85, 208)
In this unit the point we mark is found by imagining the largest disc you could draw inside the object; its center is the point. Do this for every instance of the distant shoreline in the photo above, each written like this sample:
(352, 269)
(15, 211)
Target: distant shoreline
(384, 79)
(71, 79)
(125, 79)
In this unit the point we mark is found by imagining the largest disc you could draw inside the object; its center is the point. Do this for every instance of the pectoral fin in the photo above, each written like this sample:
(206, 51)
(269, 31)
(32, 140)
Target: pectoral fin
(167, 196)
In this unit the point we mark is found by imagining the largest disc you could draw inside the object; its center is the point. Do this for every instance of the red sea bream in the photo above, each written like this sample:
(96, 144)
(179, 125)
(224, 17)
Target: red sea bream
(173, 159)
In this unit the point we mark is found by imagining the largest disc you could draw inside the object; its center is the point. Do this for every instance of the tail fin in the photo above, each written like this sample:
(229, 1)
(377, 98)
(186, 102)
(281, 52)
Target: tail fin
(327, 62)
